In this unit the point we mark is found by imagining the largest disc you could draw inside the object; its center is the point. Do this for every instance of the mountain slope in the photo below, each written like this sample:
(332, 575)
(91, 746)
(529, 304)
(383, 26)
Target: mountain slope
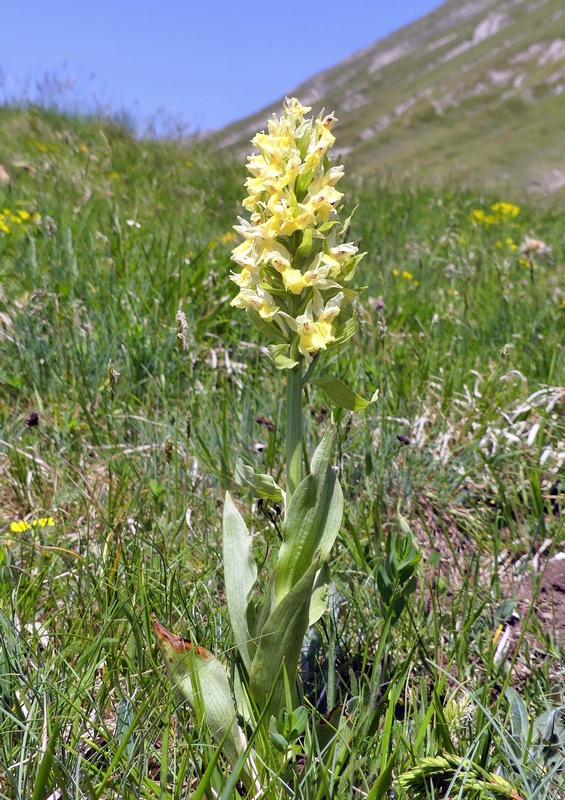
(475, 91)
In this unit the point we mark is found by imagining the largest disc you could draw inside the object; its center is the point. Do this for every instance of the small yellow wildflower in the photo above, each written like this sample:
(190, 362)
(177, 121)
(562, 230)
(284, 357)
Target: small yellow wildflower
(229, 236)
(407, 275)
(479, 217)
(11, 221)
(504, 211)
(21, 525)
(527, 263)
(501, 212)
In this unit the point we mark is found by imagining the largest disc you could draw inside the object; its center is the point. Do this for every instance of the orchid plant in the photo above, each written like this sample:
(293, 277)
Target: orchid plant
(294, 267)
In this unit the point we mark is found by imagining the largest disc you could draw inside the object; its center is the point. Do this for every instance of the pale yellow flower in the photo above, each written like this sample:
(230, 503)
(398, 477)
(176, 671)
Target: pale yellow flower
(294, 281)
(314, 326)
(260, 300)
(244, 279)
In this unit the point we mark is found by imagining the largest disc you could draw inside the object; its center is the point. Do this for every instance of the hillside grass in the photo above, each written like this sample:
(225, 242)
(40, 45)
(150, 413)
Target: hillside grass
(117, 490)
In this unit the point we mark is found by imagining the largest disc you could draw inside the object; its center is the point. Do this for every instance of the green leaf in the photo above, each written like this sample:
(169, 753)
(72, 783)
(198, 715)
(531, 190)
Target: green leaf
(305, 246)
(44, 775)
(345, 225)
(299, 718)
(277, 739)
(337, 391)
(319, 599)
(268, 328)
(203, 682)
(280, 355)
(327, 226)
(267, 605)
(302, 183)
(280, 644)
(384, 780)
(346, 331)
(312, 521)
(519, 721)
(240, 574)
(405, 526)
(260, 484)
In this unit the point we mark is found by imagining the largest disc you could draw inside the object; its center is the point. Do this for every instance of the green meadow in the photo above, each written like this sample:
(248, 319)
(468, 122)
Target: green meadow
(118, 442)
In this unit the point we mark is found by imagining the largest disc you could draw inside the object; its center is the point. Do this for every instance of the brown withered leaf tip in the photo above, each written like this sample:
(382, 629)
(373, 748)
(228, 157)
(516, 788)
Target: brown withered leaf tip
(177, 642)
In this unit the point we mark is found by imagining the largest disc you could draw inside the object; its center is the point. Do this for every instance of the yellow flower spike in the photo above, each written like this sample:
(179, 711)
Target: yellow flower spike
(289, 249)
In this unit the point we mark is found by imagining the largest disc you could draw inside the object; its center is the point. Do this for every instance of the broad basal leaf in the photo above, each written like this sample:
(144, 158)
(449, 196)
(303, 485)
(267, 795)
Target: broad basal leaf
(280, 643)
(320, 595)
(240, 574)
(202, 680)
(312, 521)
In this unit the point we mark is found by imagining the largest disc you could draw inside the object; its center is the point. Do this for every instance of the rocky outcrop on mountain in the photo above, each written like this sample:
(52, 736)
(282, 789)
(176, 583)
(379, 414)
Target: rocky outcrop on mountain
(474, 91)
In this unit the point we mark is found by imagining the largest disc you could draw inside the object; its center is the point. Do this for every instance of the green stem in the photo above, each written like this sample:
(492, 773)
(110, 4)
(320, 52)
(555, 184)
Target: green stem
(293, 430)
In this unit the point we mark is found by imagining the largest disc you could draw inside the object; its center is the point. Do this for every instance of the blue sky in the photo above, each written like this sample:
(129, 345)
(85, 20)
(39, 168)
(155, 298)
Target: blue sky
(205, 62)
